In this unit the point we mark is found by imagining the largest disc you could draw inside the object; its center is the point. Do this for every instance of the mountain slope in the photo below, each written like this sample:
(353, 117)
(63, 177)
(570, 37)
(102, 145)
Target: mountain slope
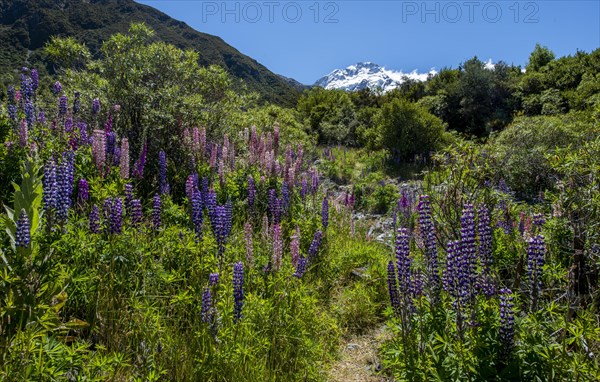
(367, 75)
(26, 25)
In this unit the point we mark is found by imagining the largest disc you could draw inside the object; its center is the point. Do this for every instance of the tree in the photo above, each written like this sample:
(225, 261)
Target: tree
(409, 129)
(539, 58)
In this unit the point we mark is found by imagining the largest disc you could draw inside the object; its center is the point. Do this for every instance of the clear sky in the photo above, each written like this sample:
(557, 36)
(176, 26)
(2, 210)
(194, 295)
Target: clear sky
(306, 40)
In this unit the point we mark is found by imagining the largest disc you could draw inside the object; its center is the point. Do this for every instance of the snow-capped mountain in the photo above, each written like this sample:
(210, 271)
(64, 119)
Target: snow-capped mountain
(368, 75)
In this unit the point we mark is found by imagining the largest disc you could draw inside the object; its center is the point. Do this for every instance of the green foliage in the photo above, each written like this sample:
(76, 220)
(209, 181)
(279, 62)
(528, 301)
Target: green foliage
(540, 57)
(409, 129)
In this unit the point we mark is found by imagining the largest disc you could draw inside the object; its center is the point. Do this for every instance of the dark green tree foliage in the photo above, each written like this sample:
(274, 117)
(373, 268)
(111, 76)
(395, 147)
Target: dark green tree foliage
(330, 114)
(409, 129)
(540, 57)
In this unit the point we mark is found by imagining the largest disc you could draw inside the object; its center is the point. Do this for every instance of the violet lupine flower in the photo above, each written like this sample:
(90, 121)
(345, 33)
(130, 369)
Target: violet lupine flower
(57, 88)
(314, 246)
(95, 219)
(539, 220)
(211, 207)
(197, 217)
(204, 190)
(162, 173)
(277, 246)
(484, 233)
(295, 246)
(77, 103)
(228, 217)
(42, 117)
(238, 290)
(249, 244)
(138, 166)
(23, 134)
(535, 261)
(64, 176)
(392, 287)
(300, 267)
(68, 124)
(303, 189)
(285, 196)
(251, 191)
(427, 230)
(116, 216)
(12, 113)
(507, 320)
(99, 150)
(62, 105)
(222, 226)
(124, 165)
(50, 185)
(467, 245)
(191, 186)
(403, 261)
(29, 113)
(207, 307)
(128, 190)
(314, 185)
(95, 105)
(83, 193)
(213, 279)
(23, 232)
(156, 209)
(136, 212)
(107, 210)
(35, 79)
(111, 142)
(325, 213)
(83, 135)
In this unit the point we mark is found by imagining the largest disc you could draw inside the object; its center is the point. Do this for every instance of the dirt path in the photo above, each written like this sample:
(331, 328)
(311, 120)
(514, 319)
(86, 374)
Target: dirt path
(359, 361)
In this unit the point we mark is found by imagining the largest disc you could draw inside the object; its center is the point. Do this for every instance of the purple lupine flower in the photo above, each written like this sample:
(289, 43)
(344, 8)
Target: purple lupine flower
(65, 177)
(162, 173)
(95, 105)
(197, 217)
(23, 134)
(303, 189)
(29, 113)
(35, 79)
(77, 103)
(427, 230)
(207, 307)
(507, 321)
(50, 185)
(57, 88)
(95, 219)
(314, 246)
(251, 191)
(450, 274)
(99, 150)
(68, 124)
(116, 216)
(222, 227)
(295, 246)
(10, 94)
(238, 290)
(204, 190)
(83, 193)
(42, 117)
(83, 135)
(300, 267)
(62, 105)
(117, 157)
(107, 210)
(136, 212)
(314, 185)
(213, 279)
(191, 186)
(393, 287)
(128, 190)
(535, 261)
(325, 213)
(539, 220)
(111, 142)
(484, 233)
(124, 165)
(249, 244)
(403, 261)
(138, 166)
(467, 245)
(156, 209)
(23, 232)
(277, 246)
(285, 196)
(12, 113)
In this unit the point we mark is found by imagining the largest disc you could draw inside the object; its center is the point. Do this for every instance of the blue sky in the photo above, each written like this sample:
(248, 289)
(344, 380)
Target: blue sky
(306, 40)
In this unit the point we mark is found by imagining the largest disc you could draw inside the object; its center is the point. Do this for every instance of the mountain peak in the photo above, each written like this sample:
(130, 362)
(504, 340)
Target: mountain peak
(368, 75)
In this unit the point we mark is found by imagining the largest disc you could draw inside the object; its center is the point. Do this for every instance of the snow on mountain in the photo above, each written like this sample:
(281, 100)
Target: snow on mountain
(368, 75)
